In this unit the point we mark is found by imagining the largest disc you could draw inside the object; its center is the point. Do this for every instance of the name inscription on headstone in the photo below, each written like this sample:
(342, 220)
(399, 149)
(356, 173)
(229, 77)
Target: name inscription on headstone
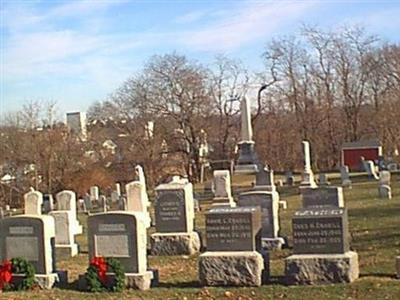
(322, 196)
(233, 229)
(170, 211)
(320, 231)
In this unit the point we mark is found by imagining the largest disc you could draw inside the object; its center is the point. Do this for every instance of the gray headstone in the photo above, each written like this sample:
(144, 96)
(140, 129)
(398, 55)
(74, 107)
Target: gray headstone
(269, 206)
(31, 238)
(264, 176)
(320, 231)
(322, 196)
(170, 211)
(48, 203)
(120, 235)
(289, 178)
(233, 229)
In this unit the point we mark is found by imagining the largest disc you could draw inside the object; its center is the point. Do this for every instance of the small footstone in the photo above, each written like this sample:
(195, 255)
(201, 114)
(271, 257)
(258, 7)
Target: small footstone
(321, 269)
(241, 268)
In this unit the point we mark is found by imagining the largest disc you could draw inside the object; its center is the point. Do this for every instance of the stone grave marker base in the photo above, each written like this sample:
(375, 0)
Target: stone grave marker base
(272, 243)
(143, 281)
(246, 169)
(310, 269)
(66, 251)
(46, 281)
(398, 266)
(175, 243)
(225, 268)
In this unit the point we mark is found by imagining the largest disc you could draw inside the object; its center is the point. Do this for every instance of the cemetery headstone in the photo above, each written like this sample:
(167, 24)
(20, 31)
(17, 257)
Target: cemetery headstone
(222, 189)
(66, 224)
(48, 203)
(247, 161)
(265, 179)
(371, 169)
(137, 201)
(33, 203)
(345, 176)
(323, 180)
(31, 237)
(385, 191)
(94, 194)
(174, 218)
(321, 251)
(122, 236)
(308, 175)
(268, 202)
(289, 178)
(232, 239)
(322, 196)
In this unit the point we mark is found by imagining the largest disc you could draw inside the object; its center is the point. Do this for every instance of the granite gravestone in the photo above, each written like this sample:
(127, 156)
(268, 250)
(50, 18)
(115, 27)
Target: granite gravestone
(289, 178)
(265, 179)
(233, 238)
(137, 200)
(233, 229)
(33, 203)
(321, 248)
(345, 176)
(323, 180)
(320, 231)
(322, 196)
(174, 216)
(268, 202)
(222, 189)
(170, 212)
(48, 203)
(94, 193)
(121, 235)
(32, 238)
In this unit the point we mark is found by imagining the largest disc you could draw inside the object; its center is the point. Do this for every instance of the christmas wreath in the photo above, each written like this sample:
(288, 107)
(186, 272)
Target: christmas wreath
(96, 275)
(17, 266)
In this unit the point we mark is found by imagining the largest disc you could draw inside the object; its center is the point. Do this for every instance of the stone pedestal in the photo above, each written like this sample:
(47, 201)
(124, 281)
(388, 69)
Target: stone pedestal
(142, 281)
(223, 202)
(241, 268)
(398, 266)
(175, 243)
(66, 251)
(44, 281)
(310, 269)
(247, 161)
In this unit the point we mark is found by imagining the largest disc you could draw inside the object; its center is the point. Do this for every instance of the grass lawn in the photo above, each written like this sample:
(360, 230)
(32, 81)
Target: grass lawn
(375, 235)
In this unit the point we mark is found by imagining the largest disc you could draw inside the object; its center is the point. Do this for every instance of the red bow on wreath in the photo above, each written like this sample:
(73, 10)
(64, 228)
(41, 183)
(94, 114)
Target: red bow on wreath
(101, 266)
(5, 273)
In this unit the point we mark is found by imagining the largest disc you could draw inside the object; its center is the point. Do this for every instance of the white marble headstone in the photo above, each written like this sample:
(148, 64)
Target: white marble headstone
(33, 203)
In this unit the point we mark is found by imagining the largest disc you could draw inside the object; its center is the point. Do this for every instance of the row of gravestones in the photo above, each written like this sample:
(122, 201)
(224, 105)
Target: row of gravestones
(234, 236)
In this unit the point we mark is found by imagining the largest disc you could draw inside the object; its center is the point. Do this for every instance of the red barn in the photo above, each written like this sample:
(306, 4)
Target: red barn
(352, 152)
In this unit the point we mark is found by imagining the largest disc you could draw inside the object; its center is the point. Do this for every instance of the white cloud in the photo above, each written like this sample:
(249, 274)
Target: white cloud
(191, 17)
(244, 24)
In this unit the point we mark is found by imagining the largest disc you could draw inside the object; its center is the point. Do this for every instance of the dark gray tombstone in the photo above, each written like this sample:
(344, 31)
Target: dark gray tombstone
(31, 238)
(289, 178)
(233, 229)
(322, 196)
(321, 230)
(170, 211)
(48, 203)
(264, 200)
(119, 235)
(263, 176)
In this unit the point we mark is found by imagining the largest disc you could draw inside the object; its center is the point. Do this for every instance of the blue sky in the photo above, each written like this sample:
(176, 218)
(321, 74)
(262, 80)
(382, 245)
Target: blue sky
(77, 52)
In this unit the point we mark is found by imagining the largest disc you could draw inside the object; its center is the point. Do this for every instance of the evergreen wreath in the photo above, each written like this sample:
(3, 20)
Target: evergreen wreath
(17, 266)
(96, 277)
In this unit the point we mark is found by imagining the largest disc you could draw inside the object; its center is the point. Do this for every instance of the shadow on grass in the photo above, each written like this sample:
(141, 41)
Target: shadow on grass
(182, 285)
(380, 275)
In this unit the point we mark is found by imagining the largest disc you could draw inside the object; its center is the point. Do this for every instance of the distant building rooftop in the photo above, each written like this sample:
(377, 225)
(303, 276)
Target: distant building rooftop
(362, 144)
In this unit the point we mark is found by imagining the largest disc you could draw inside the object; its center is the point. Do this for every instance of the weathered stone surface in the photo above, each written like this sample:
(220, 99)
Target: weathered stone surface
(231, 268)
(398, 267)
(385, 192)
(322, 268)
(180, 243)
